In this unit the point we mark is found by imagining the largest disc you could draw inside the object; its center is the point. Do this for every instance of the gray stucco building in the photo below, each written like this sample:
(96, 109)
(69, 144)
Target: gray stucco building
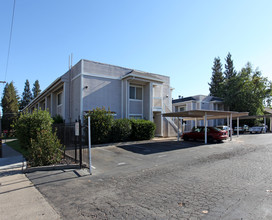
(128, 93)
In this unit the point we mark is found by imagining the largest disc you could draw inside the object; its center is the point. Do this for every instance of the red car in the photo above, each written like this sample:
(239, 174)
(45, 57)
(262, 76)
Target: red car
(213, 133)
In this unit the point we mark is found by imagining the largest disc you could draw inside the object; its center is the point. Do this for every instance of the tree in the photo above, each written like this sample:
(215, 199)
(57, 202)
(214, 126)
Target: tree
(250, 91)
(229, 68)
(231, 86)
(36, 89)
(217, 79)
(10, 106)
(26, 96)
(246, 91)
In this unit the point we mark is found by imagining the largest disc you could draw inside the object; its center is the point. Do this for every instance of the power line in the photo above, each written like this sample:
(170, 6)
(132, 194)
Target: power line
(10, 36)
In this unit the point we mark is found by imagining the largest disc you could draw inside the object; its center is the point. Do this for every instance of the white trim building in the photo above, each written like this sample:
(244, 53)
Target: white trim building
(199, 102)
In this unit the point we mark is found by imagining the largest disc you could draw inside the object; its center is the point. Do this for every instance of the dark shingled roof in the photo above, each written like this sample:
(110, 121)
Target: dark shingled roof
(217, 99)
(183, 99)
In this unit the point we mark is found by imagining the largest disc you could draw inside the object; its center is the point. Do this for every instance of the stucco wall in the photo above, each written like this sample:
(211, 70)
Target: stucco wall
(102, 92)
(104, 69)
(75, 99)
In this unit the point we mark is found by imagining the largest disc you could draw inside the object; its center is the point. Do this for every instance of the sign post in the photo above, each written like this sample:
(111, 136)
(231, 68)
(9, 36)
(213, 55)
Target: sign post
(76, 136)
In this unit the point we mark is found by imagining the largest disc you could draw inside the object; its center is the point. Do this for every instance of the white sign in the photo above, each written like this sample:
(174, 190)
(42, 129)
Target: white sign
(77, 129)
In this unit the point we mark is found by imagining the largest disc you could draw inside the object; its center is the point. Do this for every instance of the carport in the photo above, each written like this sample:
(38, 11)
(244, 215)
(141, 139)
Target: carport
(206, 115)
(259, 116)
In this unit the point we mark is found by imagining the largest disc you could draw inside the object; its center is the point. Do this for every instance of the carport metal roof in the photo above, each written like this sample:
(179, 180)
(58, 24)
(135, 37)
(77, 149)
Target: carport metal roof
(206, 115)
(199, 114)
(256, 116)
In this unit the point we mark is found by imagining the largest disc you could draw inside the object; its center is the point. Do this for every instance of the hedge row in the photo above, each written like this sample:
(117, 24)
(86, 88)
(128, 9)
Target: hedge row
(34, 132)
(105, 129)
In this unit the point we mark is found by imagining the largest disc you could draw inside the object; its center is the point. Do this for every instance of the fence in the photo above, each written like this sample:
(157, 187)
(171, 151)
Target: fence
(75, 145)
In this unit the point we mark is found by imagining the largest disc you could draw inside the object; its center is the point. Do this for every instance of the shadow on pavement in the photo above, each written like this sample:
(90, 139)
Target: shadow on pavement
(159, 147)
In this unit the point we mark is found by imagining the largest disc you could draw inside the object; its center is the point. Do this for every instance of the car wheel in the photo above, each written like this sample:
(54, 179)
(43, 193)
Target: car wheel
(185, 138)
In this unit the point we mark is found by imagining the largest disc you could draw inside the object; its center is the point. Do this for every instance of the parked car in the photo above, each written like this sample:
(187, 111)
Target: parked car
(213, 133)
(257, 129)
(226, 128)
(242, 129)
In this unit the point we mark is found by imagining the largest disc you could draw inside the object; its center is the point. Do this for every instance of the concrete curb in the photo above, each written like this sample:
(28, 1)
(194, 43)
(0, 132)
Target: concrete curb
(52, 167)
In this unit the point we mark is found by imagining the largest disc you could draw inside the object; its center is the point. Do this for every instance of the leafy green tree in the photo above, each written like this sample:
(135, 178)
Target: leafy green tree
(249, 91)
(36, 89)
(217, 79)
(10, 106)
(26, 96)
(245, 91)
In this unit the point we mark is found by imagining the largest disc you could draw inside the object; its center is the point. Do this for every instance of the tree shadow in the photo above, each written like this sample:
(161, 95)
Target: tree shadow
(159, 147)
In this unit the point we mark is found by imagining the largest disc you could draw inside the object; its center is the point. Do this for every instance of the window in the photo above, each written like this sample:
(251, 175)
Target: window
(182, 109)
(135, 117)
(59, 99)
(135, 93)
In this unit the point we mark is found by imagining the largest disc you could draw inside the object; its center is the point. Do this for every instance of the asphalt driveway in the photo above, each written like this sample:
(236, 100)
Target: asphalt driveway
(168, 180)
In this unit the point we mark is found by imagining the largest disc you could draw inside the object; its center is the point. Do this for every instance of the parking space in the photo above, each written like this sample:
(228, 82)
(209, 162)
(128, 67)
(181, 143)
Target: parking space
(113, 159)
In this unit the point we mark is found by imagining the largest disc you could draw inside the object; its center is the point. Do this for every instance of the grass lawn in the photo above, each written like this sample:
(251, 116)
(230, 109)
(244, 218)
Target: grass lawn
(16, 146)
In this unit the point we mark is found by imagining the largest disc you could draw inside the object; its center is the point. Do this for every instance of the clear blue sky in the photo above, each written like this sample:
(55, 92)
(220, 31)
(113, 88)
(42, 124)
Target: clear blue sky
(177, 38)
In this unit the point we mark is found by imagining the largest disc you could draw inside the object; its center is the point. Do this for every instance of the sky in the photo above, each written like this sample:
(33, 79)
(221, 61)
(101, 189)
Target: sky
(177, 38)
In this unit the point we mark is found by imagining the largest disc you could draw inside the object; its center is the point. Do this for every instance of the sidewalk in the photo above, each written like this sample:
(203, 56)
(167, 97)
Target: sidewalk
(19, 199)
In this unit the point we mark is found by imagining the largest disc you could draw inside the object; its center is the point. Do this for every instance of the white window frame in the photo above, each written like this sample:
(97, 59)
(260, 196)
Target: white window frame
(136, 86)
(58, 105)
(135, 115)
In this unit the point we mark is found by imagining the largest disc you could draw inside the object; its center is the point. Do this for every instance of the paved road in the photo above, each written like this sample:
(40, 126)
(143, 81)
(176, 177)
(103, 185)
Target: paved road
(171, 180)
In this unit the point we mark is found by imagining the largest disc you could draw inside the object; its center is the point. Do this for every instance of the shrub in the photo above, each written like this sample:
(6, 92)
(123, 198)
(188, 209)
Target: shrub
(101, 123)
(58, 119)
(28, 125)
(121, 130)
(142, 129)
(45, 149)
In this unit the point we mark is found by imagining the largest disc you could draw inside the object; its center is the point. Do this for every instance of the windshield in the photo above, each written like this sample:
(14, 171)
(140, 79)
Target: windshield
(217, 129)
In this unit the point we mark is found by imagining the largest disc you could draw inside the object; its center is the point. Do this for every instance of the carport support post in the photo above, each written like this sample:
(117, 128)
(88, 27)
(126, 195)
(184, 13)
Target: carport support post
(265, 125)
(90, 144)
(228, 126)
(237, 126)
(178, 128)
(231, 126)
(205, 122)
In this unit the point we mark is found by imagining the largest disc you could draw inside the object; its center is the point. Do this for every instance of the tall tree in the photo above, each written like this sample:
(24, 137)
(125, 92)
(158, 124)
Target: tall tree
(36, 89)
(10, 105)
(250, 92)
(231, 86)
(217, 79)
(229, 67)
(26, 96)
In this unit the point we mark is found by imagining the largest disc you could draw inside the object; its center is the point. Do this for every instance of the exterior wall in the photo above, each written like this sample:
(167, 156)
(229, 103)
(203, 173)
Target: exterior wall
(102, 92)
(147, 102)
(104, 69)
(89, 84)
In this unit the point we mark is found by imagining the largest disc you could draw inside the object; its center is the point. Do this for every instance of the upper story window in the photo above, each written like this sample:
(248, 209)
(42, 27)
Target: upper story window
(182, 109)
(59, 99)
(136, 92)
